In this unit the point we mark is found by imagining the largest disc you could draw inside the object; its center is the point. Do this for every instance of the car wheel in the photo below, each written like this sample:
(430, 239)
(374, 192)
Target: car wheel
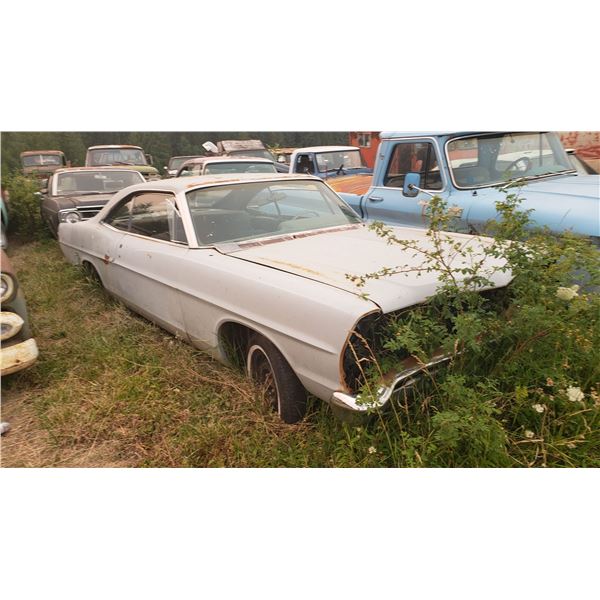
(280, 386)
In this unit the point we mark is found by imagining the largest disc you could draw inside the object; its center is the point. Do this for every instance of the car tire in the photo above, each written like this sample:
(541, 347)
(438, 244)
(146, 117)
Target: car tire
(281, 387)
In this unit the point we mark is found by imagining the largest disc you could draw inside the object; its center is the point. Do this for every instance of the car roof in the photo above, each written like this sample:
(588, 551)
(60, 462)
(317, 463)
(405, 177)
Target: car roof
(182, 184)
(418, 134)
(33, 152)
(84, 169)
(110, 147)
(226, 159)
(326, 148)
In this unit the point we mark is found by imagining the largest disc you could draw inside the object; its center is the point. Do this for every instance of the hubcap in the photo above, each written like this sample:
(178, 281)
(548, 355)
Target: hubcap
(261, 371)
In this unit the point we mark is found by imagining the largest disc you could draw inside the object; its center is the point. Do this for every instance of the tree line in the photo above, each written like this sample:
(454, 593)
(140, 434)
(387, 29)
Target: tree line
(161, 145)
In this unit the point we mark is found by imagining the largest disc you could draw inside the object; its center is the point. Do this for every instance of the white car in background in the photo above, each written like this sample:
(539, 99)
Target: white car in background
(253, 269)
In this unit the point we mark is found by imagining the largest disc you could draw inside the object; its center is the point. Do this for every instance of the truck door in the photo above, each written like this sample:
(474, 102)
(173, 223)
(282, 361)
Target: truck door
(386, 202)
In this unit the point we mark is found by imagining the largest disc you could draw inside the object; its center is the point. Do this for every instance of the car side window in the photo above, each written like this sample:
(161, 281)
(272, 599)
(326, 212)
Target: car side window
(155, 215)
(414, 157)
(119, 216)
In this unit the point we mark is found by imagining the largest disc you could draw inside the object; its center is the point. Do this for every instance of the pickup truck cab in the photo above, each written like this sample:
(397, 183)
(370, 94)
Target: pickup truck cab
(42, 163)
(123, 155)
(467, 169)
(328, 161)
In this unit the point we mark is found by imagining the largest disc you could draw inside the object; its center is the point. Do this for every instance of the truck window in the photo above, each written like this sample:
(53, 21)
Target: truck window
(305, 164)
(414, 157)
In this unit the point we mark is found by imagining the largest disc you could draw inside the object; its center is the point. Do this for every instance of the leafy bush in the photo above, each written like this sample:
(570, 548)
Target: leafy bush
(24, 207)
(522, 387)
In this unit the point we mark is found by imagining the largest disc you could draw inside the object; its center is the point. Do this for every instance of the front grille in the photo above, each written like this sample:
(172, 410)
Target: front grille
(368, 350)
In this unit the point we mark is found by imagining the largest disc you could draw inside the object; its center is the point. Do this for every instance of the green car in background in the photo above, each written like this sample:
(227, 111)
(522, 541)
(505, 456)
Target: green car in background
(124, 155)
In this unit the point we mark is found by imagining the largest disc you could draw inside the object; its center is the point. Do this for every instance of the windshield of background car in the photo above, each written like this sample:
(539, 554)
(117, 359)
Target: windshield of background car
(94, 182)
(233, 213)
(116, 156)
(332, 161)
(176, 163)
(259, 153)
(39, 160)
(495, 158)
(238, 167)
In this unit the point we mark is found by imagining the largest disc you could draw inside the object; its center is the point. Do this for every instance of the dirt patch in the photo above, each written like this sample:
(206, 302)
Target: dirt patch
(27, 444)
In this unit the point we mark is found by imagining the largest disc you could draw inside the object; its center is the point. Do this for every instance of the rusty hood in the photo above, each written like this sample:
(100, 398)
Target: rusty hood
(358, 184)
(329, 256)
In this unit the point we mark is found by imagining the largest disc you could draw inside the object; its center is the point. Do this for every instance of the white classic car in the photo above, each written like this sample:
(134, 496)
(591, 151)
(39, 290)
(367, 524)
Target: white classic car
(253, 269)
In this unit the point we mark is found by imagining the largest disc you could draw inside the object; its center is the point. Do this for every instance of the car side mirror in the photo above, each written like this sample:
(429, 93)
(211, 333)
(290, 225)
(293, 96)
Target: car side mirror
(412, 183)
(165, 168)
(149, 159)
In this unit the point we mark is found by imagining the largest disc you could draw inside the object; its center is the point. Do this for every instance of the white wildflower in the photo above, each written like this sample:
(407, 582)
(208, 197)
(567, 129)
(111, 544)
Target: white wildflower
(549, 381)
(372, 450)
(574, 394)
(571, 445)
(567, 293)
(529, 434)
(538, 407)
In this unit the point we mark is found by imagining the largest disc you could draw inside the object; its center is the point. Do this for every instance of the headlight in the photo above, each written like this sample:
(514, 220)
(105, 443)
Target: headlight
(70, 217)
(8, 287)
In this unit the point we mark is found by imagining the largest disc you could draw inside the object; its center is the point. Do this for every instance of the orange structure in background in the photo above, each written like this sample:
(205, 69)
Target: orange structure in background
(368, 142)
(586, 143)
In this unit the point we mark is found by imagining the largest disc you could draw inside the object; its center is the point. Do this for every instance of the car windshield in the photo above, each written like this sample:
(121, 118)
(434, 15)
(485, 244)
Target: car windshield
(116, 156)
(343, 159)
(489, 159)
(95, 182)
(259, 153)
(39, 160)
(245, 211)
(238, 167)
(177, 161)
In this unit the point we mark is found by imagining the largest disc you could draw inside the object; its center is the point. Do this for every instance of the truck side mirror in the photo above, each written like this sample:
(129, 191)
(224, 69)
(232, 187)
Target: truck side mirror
(412, 181)
(149, 159)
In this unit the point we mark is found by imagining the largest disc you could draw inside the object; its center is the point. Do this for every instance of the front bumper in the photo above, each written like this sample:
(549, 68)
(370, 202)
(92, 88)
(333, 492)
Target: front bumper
(18, 356)
(403, 380)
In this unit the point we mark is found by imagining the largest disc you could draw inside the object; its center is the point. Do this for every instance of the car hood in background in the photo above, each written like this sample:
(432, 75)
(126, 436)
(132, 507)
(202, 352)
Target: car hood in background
(358, 184)
(83, 200)
(328, 257)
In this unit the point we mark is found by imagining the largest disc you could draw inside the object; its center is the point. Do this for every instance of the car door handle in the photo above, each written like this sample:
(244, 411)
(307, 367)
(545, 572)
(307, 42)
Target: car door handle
(375, 199)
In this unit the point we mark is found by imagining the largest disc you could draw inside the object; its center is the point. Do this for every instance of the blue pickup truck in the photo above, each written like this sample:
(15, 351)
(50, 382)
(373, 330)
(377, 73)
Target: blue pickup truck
(467, 170)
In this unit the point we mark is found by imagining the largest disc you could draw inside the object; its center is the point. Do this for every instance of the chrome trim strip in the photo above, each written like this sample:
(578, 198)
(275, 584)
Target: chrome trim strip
(384, 393)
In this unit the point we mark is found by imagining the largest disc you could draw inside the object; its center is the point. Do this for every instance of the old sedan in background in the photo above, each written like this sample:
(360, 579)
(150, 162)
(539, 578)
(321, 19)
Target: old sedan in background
(223, 165)
(79, 193)
(18, 350)
(253, 269)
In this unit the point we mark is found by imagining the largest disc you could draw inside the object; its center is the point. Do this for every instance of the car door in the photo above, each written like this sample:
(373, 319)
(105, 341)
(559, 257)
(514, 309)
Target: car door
(387, 203)
(144, 267)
